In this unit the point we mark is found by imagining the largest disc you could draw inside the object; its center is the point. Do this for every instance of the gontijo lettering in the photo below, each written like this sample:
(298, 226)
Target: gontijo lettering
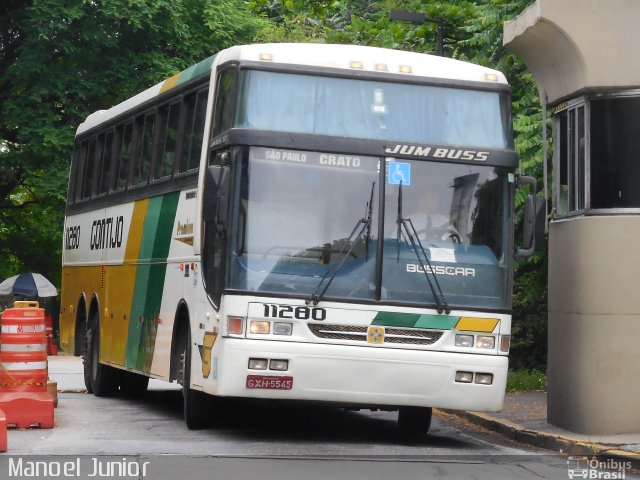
(106, 233)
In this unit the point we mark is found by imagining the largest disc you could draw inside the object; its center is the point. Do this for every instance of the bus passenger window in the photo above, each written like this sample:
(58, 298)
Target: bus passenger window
(105, 162)
(123, 156)
(196, 109)
(168, 123)
(87, 175)
(145, 127)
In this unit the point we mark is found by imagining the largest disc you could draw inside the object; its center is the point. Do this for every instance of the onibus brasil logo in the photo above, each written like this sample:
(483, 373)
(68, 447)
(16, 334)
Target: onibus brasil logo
(594, 468)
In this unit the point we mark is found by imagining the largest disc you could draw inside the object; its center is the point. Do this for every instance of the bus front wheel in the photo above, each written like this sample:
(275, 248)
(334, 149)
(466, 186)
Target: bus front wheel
(414, 422)
(195, 402)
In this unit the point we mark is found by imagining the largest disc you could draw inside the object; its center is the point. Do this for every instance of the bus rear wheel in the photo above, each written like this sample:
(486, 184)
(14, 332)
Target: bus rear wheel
(414, 422)
(103, 379)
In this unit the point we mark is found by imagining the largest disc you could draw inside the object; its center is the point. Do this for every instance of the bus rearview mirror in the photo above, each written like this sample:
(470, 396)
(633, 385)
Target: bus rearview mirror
(216, 194)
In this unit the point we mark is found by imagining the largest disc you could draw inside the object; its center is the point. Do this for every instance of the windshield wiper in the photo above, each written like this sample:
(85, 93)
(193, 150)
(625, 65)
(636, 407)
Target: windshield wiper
(405, 226)
(362, 226)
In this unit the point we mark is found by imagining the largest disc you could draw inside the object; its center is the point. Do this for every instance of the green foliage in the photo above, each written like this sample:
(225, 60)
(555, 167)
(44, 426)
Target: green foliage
(61, 61)
(526, 380)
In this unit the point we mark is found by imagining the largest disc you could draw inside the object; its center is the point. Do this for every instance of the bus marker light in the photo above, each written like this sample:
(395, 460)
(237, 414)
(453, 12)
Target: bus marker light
(258, 363)
(381, 67)
(405, 69)
(266, 57)
(505, 343)
(484, 378)
(464, 340)
(486, 342)
(280, 365)
(356, 64)
(234, 325)
(260, 327)
(464, 377)
(280, 328)
(491, 77)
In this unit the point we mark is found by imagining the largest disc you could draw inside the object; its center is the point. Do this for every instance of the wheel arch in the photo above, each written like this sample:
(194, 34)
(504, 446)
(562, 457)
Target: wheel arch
(80, 326)
(181, 323)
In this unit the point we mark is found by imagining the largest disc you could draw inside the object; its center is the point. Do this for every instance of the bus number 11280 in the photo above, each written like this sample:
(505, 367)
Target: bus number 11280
(299, 313)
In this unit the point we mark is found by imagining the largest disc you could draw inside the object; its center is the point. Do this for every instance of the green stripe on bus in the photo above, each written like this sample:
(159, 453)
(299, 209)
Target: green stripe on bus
(200, 68)
(437, 322)
(150, 277)
(393, 319)
(414, 320)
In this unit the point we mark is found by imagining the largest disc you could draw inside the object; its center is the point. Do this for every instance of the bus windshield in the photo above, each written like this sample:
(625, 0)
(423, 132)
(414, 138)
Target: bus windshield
(377, 110)
(297, 211)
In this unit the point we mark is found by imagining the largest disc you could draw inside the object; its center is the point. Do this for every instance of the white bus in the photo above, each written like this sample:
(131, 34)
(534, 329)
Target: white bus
(302, 222)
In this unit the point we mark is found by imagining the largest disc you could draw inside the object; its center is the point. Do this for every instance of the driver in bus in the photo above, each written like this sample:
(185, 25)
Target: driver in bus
(430, 221)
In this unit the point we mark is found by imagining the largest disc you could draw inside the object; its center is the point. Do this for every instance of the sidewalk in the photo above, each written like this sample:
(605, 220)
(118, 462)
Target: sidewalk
(524, 418)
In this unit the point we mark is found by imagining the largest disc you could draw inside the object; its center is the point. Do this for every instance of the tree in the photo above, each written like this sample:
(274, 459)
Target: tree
(61, 61)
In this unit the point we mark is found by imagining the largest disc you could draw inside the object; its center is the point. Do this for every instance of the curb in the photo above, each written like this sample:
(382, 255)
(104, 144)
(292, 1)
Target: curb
(548, 441)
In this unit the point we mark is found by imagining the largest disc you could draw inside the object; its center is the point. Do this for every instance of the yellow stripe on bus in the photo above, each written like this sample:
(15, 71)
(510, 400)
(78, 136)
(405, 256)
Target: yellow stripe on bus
(169, 83)
(471, 324)
(135, 231)
(122, 281)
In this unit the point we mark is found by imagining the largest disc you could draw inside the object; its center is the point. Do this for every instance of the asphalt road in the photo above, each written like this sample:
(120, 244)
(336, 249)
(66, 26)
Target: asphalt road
(147, 439)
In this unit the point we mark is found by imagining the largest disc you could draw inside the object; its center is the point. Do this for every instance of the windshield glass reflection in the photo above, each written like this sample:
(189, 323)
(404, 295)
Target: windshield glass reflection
(298, 211)
(369, 109)
(460, 214)
(309, 220)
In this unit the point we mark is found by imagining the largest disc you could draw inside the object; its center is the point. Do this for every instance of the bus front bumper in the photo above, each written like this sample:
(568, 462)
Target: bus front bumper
(367, 376)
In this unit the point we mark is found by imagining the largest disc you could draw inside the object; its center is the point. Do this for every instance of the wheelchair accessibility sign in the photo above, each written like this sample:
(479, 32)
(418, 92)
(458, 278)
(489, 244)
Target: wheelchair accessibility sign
(398, 172)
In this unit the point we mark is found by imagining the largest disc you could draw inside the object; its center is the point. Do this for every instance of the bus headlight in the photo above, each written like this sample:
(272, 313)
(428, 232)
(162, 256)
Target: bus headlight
(464, 377)
(260, 327)
(280, 365)
(484, 378)
(486, 342)
(464, 340)
(258, 363)
(281, 328)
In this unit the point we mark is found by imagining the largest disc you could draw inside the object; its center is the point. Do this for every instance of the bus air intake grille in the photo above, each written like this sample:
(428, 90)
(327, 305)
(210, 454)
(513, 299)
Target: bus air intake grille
(339, 332)
(359, 333)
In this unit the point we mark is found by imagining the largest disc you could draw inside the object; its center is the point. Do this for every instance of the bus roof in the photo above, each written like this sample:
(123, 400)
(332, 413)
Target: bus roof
(347, 57)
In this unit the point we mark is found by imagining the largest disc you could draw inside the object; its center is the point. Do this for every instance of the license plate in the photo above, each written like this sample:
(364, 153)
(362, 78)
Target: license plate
(267, 382)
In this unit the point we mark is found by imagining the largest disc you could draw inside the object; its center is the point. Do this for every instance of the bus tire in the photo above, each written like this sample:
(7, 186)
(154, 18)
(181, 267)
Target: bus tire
(82, 344)
(414, 422)
(133, 384)
(103, 378)
(195, 402)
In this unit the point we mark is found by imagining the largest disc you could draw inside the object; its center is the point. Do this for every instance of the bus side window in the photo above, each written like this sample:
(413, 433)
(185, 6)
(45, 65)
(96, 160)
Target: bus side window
(195, 105)
(122, 158)
(81, 159)
(105, 163)
(168, 122)
(224, 102)
(145, 128)
(74, 174)
(87, 173)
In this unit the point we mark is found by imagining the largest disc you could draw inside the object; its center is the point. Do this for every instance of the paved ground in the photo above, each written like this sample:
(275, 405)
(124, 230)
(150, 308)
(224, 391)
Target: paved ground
(264, 442)
(523, 418)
